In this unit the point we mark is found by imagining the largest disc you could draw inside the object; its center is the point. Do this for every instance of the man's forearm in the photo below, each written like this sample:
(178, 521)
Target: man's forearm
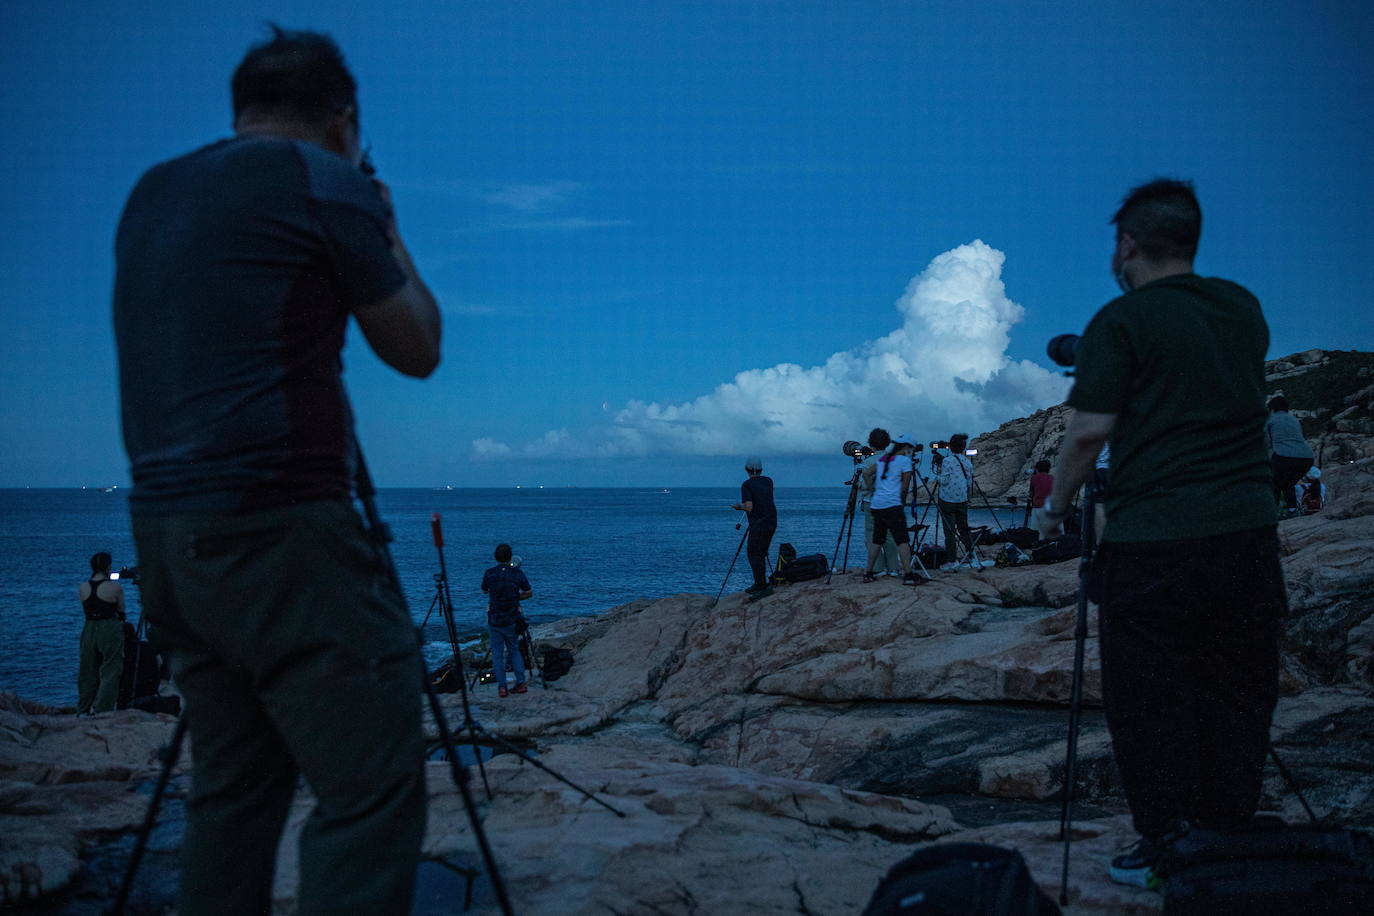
(424, 306)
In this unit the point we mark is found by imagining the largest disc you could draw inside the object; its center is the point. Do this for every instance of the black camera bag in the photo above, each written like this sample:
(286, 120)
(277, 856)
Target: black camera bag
(971, 879)
(1064, 547)
(1267, 869)
(803, 569)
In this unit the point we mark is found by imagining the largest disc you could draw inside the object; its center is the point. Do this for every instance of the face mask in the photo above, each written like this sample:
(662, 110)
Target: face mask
(1119, 274)
(1121, 281)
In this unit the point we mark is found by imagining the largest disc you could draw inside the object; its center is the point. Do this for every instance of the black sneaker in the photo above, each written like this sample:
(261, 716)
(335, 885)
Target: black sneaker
(1136, 866)
(762, 593)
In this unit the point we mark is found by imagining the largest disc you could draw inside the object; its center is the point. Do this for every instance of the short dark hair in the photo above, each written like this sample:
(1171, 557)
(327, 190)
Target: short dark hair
(959, 437)
(1042, 466)
(1163, 217)
(879, 438)
(100, 563)
(502, 553)
(296, 73)
(1278, 402)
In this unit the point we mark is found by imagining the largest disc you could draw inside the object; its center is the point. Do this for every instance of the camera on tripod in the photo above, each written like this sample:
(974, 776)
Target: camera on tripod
(856, 450)
(126, 572)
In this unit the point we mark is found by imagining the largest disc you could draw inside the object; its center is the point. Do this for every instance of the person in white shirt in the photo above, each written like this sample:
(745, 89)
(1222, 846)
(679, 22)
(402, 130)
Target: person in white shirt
(955, 476)
(878, 440)
(890, 479)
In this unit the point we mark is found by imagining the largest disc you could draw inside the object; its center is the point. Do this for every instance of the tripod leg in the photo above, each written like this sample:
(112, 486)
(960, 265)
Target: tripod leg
(1080, 636)
(462, 780)
(150, 818)
(847, 517)
(731, 570)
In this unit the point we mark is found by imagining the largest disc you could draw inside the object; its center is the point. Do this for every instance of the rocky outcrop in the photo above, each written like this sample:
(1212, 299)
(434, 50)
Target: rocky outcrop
(1331, 391)
(776, 756)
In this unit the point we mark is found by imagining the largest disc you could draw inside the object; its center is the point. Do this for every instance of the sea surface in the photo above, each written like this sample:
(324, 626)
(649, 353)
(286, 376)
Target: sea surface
(584, 550)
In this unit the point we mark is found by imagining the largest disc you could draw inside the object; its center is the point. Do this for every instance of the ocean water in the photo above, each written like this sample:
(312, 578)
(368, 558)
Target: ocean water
(584, 550)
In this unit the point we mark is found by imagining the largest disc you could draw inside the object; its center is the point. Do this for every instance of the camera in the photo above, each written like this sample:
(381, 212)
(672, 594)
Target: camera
(1063, 349)
(856, 450)
(126, 572)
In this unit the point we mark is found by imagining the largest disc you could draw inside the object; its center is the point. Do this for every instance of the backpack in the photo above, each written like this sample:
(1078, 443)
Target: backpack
(1311, 498)
(971, 879)
(557, 661)
(1064, 547)
(445, 678)
(1269, 868)
(801, 569)
(1021, 537)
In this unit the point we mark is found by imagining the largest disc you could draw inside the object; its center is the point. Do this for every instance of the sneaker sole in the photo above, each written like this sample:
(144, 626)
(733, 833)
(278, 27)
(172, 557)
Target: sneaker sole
(1143, 878)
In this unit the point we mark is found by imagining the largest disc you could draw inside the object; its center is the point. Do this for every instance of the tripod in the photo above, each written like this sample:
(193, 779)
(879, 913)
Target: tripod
(1080, 636)
(846, 522)
(470, 723)
(444, 602)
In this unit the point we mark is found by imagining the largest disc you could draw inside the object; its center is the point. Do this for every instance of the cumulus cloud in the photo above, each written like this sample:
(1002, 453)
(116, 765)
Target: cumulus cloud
(945, 369)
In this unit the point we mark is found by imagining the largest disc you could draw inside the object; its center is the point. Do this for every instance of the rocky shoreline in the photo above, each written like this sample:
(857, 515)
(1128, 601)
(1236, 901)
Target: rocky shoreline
(774, 757)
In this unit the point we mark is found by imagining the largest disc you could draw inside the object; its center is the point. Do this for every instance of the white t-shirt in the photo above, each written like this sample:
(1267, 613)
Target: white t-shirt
(887, 491)
(956, 473)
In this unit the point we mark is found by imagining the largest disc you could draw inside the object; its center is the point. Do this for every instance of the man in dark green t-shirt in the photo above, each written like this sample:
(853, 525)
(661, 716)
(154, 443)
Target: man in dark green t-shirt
(1188, 579)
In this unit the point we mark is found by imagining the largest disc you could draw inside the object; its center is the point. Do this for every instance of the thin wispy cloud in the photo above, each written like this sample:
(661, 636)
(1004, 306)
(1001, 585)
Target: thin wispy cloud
(527, 196)
(944, 369)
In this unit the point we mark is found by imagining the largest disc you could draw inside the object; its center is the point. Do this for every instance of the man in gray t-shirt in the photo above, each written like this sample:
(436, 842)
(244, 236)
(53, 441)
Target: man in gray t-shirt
(237, 269)
(1289, 452)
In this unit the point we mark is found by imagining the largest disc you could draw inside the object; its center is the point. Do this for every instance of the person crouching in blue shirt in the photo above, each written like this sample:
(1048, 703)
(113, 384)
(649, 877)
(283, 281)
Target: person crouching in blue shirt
(506, 586)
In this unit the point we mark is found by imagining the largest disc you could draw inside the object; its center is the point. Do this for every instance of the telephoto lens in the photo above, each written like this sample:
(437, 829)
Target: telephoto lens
(1063, 349)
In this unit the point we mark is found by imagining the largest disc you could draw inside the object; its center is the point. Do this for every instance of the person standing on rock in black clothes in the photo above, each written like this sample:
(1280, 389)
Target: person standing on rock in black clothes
(237, 269)
(756, 499)
(102, 639)
(1188, 580)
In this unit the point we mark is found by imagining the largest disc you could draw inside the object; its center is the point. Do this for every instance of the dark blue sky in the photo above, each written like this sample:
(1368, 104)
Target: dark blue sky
(623, 206)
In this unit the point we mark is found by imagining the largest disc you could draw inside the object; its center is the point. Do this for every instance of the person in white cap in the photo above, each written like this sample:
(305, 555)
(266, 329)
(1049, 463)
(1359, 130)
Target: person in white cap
(890, 480)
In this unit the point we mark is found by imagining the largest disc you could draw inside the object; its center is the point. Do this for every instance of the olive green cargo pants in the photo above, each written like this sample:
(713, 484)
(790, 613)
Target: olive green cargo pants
(295, 657)
(102, 665)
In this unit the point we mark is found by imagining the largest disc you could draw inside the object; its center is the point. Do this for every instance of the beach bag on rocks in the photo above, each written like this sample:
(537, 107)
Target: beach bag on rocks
(1267, 869)
(1065, 547)
(968, 879)
(557, 661)
(802, 569)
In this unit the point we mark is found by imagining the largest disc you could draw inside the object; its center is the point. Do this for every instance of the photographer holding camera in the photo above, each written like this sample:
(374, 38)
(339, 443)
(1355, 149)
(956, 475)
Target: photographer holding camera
(1188, 580)
(238, 266)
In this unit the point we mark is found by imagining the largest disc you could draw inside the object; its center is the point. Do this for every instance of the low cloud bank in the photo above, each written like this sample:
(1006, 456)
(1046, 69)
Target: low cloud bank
(945, 369)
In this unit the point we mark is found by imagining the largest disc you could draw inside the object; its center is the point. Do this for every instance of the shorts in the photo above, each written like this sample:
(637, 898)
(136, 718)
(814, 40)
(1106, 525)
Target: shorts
(893, 519)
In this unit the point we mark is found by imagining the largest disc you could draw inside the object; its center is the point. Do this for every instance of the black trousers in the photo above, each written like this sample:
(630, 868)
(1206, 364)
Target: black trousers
(1190, 666)
(1287, 473)
(760, 538)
